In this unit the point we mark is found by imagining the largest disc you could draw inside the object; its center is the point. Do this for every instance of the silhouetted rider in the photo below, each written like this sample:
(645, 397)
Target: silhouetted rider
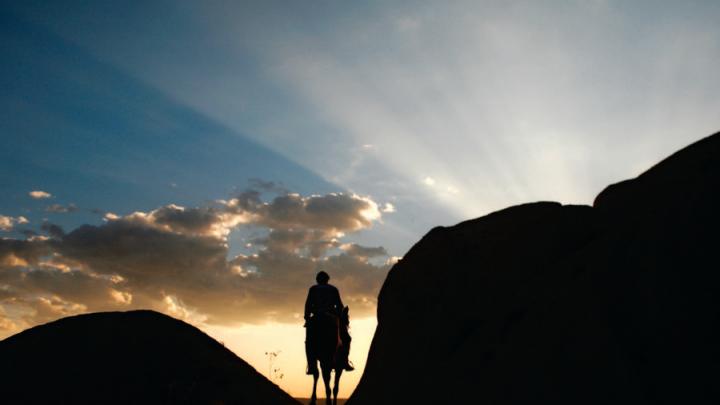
(324, 300)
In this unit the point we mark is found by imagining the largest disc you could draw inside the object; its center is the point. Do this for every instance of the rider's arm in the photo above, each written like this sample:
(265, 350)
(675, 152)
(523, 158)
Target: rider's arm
(308, 305)
(339, 303)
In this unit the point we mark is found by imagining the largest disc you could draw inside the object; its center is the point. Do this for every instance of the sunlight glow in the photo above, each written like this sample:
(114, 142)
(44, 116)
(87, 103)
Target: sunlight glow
(252, 341)
(483, 95)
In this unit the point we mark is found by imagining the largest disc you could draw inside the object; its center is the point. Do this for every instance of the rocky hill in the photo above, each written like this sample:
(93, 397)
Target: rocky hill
(618, 303)
(136, 357)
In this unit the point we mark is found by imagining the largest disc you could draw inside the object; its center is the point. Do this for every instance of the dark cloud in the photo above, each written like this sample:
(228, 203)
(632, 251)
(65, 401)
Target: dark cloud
(353, 249)
(55, 231)
(201, 221)
(308, 242)
(24, 252)
(98, 211)
(268, 186)
(61, 209)
(175, 259)
(336, 212)
(28, 233)
(142, 254)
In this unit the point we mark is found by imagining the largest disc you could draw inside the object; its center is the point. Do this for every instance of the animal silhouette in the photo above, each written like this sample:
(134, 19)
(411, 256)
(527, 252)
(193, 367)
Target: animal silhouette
(330, 343)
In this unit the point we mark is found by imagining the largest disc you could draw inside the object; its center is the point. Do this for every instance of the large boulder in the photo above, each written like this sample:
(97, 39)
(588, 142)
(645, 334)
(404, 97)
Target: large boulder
(618, 303)
(136, 357)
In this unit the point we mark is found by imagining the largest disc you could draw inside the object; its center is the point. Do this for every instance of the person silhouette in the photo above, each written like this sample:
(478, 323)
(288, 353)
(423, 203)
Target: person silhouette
(323, 300)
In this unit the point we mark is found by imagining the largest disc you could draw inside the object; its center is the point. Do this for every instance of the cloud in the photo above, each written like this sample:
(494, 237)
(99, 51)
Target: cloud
(268, 186)
(392, 260)
(177, 260)
(359, 251)
(55, 231)
(110, 216)
(39, 194)
(200, 221)
(388, 208)
(7, 223)
(61, 209)
(311, 242)
(15, 252)
(334, 212)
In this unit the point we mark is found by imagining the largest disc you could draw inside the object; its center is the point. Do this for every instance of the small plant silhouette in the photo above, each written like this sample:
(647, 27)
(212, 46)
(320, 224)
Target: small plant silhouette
(274, 373)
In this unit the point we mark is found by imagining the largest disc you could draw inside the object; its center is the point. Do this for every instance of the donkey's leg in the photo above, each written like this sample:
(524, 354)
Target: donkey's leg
(326, 369)
(313, 398)
(336, 388)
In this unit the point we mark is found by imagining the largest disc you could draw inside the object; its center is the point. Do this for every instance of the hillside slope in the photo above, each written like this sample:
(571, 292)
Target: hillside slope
(135, 357)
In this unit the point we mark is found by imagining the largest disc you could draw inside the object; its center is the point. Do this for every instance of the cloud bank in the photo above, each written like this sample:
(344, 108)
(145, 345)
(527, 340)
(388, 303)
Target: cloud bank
(178, 260)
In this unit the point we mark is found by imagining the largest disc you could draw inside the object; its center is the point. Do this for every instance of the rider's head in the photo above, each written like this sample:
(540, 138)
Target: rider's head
(322, 278)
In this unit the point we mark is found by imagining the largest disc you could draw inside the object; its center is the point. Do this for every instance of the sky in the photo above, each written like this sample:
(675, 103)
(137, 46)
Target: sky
(206, 159)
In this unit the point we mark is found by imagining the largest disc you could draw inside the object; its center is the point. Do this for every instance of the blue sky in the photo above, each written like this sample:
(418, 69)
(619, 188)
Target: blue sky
(361, 125)
(99, 138)
(448, 110)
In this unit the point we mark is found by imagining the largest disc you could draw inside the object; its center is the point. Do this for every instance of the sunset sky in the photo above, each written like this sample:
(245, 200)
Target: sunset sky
(206, 159)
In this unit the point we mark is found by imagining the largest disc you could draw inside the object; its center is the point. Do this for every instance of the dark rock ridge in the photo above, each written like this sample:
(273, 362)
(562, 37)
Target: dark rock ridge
(618, 303)
(136, 357)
